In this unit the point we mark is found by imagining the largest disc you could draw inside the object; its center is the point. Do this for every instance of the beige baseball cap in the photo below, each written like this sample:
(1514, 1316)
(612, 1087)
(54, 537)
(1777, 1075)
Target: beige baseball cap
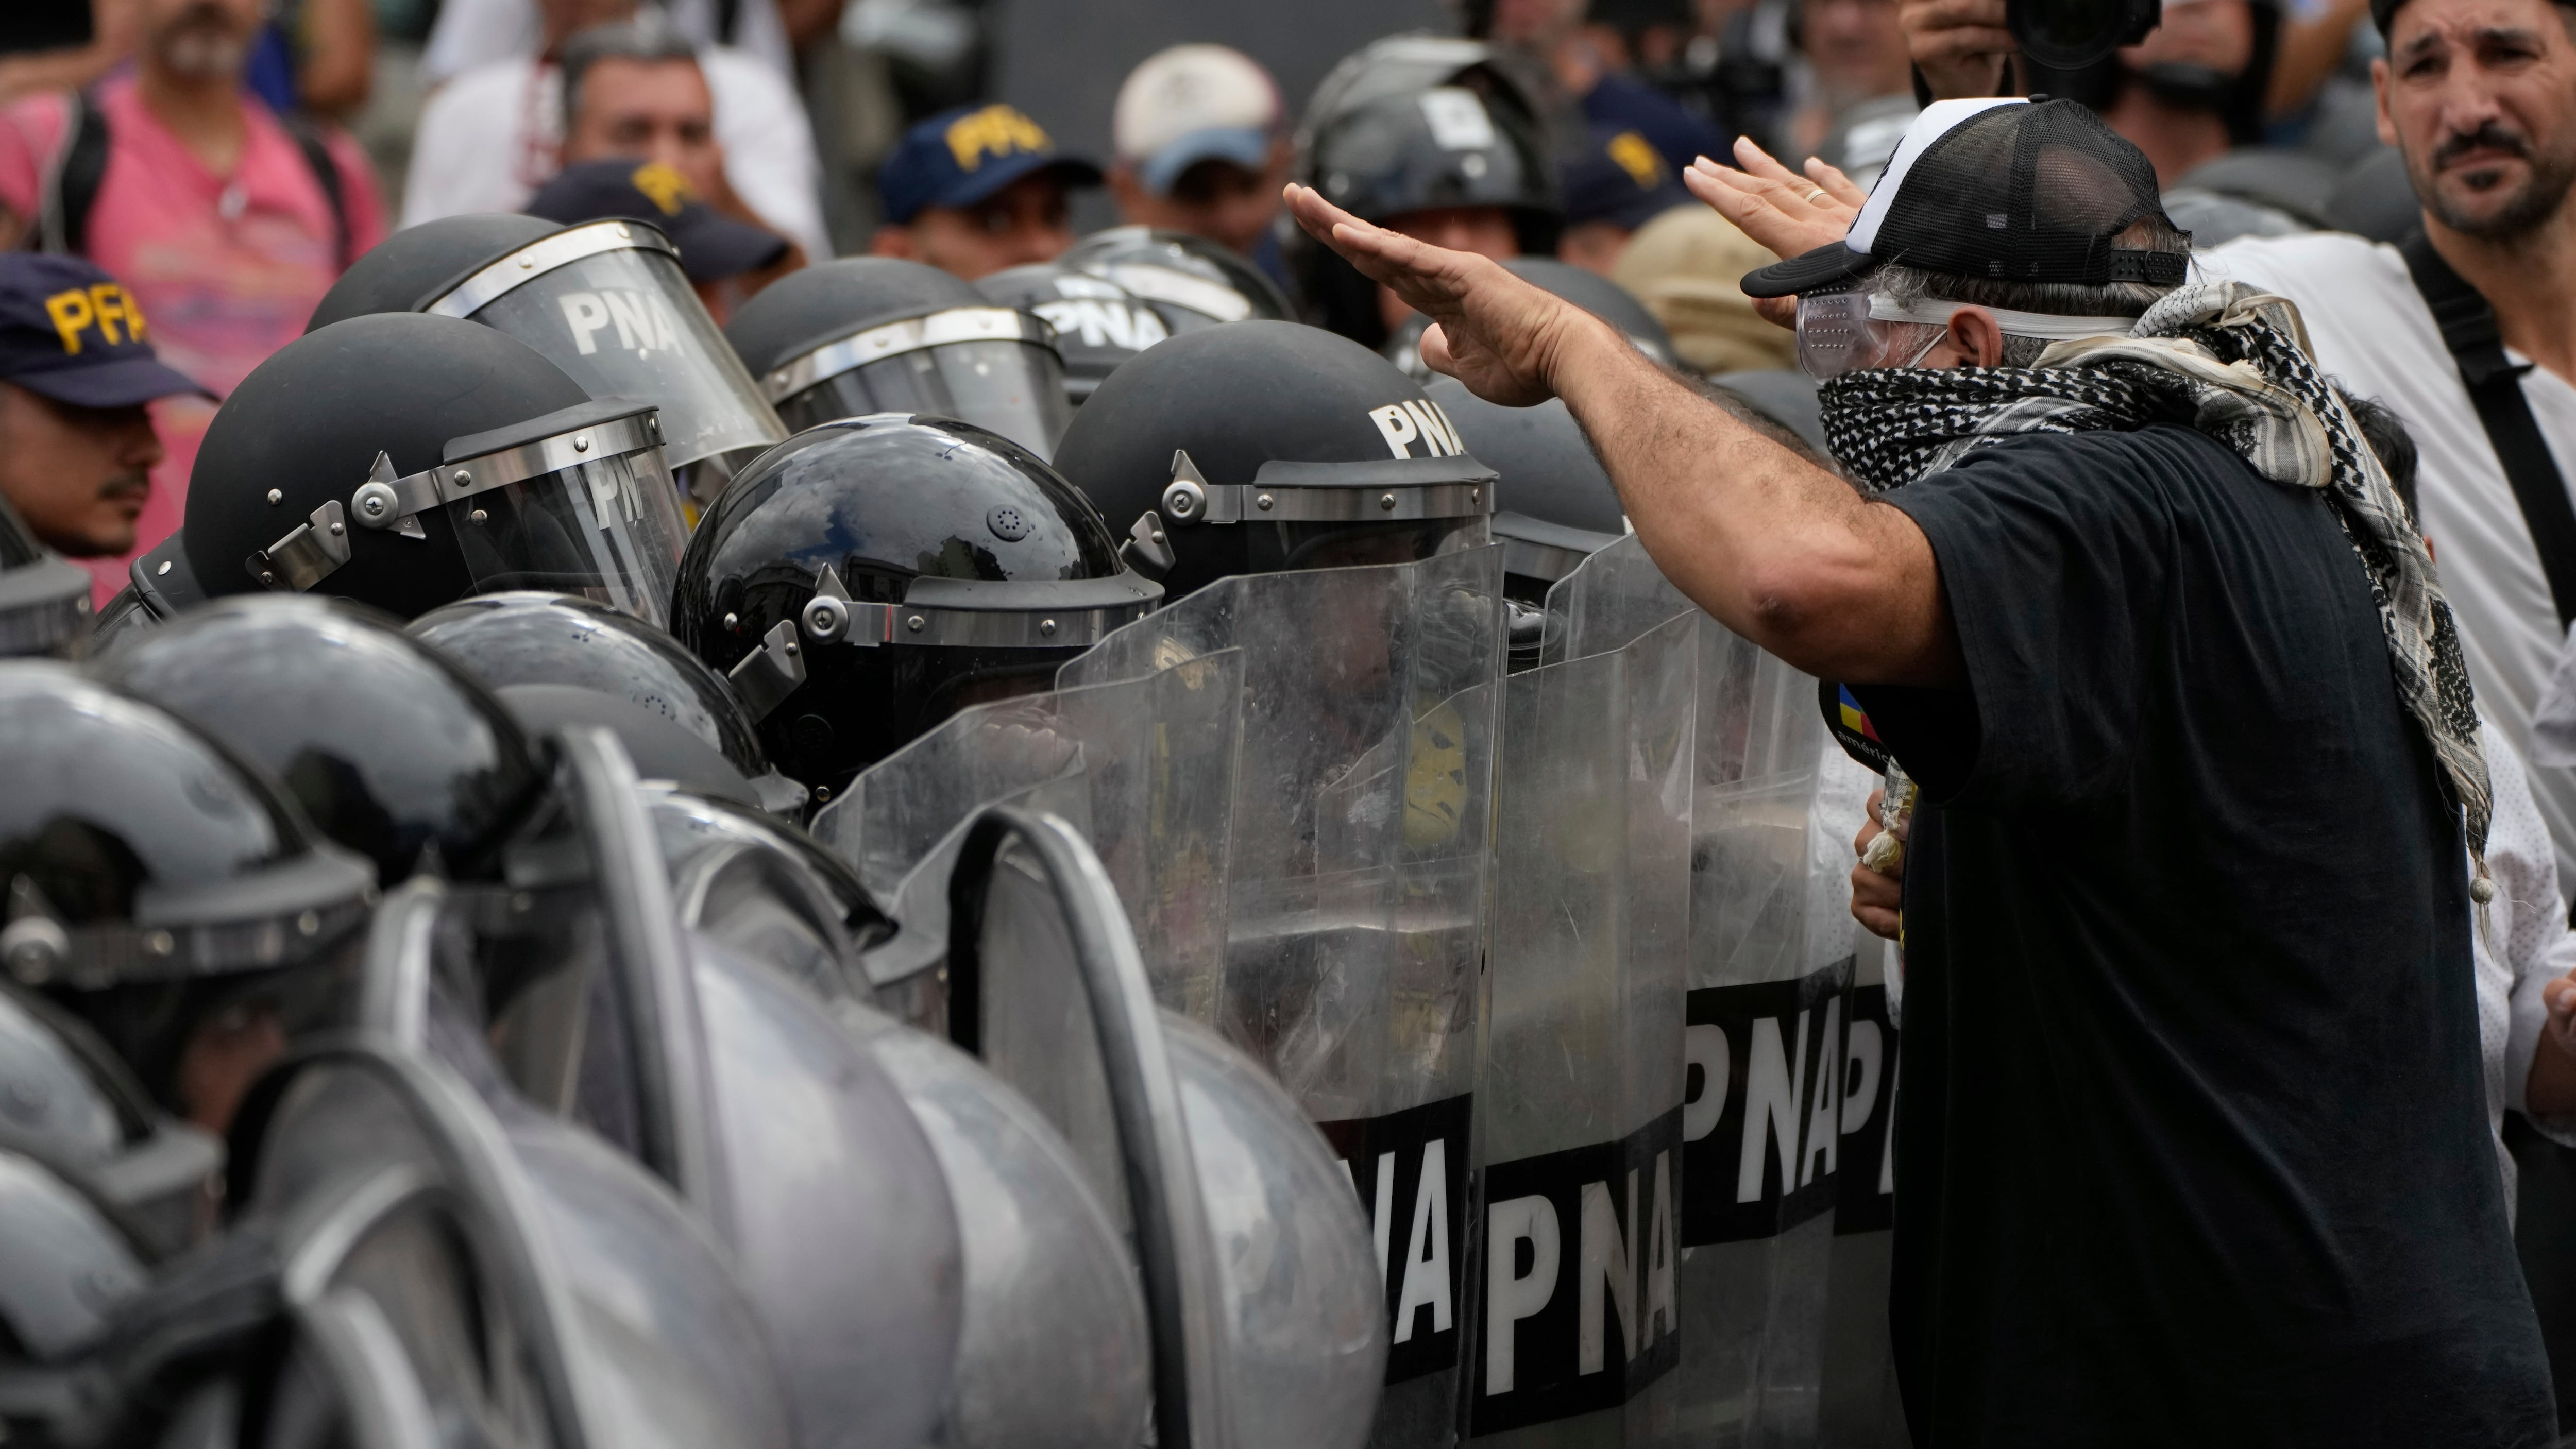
(1194, 103)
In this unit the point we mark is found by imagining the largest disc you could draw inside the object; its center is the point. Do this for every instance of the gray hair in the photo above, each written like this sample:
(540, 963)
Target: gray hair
(1910, 285)
(649, 37)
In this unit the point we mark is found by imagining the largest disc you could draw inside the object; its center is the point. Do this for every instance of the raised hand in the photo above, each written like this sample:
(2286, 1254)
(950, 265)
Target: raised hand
(1959, 45)
(1774, 205)
(1492, 331)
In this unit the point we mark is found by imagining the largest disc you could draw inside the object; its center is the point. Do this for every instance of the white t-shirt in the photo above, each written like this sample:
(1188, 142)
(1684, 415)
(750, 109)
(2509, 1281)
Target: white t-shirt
(2522, 946)
(2373, 333)
(472, 33)
(489, 138)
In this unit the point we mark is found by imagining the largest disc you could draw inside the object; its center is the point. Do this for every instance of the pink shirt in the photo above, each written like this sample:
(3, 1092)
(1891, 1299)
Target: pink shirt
(225, 269)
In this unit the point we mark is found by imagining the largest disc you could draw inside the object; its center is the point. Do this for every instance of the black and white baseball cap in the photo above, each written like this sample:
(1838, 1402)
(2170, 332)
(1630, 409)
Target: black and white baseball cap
(2014, 190)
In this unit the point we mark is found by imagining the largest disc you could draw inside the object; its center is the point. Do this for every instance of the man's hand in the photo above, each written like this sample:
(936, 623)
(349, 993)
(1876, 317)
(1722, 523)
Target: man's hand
(1490, 330)
(1876, 897)
(1789, 213)
(1959, 45)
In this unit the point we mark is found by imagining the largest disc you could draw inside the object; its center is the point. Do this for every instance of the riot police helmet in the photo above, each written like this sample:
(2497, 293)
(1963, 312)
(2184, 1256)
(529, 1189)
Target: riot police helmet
(878, 334)
(44, 598)
(389, 748)
(1189, 281)
(153, 880)
(1556, 505)
(606, 301)
(1098, 323)
(868, 578)
(1402, 139)
(1271, 445)
(553, 654)
(406, 461)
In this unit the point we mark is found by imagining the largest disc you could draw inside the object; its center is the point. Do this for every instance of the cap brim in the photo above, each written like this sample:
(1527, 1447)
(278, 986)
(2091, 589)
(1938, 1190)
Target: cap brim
(985, 183)
(1808, 271)
(1244, 146)
(714, 247)
(124, 383)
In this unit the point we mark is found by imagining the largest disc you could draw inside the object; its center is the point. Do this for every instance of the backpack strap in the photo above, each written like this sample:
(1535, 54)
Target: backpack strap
(326, 174)
(71, 179)
(2494, 383)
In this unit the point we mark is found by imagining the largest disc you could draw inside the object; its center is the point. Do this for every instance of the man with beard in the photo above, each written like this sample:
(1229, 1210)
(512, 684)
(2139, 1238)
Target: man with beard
(225, 221)
(76, 369)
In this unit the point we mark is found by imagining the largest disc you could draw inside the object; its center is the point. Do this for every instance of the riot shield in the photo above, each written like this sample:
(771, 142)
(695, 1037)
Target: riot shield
(733, 1083)
(1356, 878)
(1144, 767)
(1769, 968)
(1259, 1289)
(1582, 1106)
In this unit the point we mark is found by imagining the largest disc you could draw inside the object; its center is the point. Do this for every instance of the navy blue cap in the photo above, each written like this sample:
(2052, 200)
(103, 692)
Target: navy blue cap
(70, 333)
(1619, 177)
(712, 246)
(960, 157)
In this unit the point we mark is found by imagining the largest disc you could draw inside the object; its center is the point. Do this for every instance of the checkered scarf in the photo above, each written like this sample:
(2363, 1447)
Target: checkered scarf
(2235, 364)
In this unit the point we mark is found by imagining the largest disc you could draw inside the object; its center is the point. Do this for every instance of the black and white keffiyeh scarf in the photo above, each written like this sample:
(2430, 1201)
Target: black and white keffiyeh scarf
(2235, 364)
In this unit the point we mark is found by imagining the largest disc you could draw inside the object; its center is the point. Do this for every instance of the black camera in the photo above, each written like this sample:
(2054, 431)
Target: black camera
(2074, 34)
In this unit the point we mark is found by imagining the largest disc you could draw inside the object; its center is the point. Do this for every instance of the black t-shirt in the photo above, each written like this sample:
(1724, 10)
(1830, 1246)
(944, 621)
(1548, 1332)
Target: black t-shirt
(2194, 1143)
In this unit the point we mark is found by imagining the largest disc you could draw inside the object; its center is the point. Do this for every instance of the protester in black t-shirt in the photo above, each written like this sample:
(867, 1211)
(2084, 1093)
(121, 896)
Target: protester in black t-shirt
(2194, 1143)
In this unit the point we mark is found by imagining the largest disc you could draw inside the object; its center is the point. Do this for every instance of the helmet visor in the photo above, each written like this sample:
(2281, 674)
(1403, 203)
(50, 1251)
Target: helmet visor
(990, 366)
(622, 319)
(44, 600)
(608, 530)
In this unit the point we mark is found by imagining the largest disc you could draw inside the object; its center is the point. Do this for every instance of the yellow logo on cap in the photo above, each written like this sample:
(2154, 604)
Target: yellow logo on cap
(668, 189)
(1638, 157)
(994, 131)
(103, 306)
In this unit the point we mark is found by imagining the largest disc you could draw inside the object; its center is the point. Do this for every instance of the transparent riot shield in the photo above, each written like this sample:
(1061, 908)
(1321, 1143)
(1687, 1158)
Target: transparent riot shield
(733, 1082)
(452, 1269)
(1356, 881)
(1145, 767)
(1260, 1290)
(1770, 964)
(1581, 1323)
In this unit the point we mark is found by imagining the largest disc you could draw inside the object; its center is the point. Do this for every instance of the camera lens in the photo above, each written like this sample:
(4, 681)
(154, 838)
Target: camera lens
(2073, 34)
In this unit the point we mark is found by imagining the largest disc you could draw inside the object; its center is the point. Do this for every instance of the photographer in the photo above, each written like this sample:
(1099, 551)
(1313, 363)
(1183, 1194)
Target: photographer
(2193, 1146)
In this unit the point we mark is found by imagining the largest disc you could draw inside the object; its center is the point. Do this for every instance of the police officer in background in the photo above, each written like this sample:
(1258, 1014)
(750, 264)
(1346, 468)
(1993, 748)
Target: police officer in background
(76, 374)
(977, 189)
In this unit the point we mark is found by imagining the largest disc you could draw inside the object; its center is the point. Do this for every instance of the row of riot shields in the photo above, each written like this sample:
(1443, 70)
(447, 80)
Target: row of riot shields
(1559, 962)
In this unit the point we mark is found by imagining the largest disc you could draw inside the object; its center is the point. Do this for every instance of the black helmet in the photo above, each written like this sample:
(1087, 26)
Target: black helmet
(1412, 133)
(390, 749)
(677, 717)
(1590, 291)
(874, 334)
(1191, 281)
(605, 301)
(44, 600)
(1098, 324)
(1271, 445)
(146, 873)
(870, 577)
(406, 461)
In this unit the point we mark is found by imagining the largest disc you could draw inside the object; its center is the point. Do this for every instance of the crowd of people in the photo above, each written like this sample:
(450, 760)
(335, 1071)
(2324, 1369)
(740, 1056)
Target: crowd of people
(2148, 456)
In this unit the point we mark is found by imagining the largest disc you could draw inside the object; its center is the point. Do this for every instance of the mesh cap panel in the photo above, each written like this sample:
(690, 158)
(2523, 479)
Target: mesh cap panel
(2028, 194)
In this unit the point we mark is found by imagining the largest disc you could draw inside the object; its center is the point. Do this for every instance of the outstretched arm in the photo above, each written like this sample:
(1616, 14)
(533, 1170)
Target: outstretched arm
(1779, 550)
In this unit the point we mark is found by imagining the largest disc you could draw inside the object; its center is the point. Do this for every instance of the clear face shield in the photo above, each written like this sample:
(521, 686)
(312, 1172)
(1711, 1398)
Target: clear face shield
(1850, 330)
(44, 600)
(1342, 515)
(579, 501)
(608, 304)
(995, 367)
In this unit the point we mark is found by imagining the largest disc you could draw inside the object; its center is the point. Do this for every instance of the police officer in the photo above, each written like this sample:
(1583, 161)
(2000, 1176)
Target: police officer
(878, 334)
(1440, 146)
(1098, 323)
(405, 461)
(875, 575)
(77, 369)
(1270, 445)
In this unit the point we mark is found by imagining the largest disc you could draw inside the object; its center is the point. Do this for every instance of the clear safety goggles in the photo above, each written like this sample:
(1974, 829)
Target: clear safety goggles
(1850, 330)
(576, 502)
